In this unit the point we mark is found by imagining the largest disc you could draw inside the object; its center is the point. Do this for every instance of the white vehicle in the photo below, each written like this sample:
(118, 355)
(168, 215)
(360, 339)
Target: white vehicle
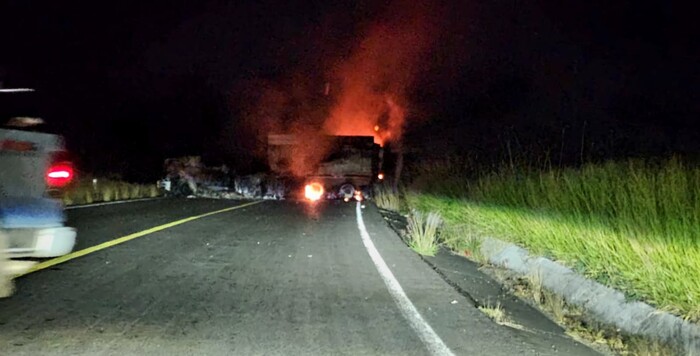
(32, 170)
(32, 173)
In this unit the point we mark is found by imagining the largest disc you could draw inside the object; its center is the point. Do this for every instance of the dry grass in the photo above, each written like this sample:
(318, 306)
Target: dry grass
(556, 306)
(549, 301)
(423, 232)
(573, 319)
(386, 197)
(642, 347)
(88, 191)
(496, 313)
(620, 344)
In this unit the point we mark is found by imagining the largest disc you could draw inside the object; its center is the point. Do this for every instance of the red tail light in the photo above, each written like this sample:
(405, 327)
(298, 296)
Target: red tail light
(59, 175)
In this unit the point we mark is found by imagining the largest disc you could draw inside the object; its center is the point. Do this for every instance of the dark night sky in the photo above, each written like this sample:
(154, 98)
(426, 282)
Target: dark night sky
(130, 83)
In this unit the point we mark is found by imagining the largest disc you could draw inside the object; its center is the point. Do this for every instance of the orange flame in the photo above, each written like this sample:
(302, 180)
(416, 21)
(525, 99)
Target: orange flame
(376, 78)
(358, 196)
(313, 191)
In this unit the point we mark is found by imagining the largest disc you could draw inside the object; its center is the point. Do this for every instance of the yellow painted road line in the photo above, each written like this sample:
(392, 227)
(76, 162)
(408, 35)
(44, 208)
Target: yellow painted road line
(117, 241)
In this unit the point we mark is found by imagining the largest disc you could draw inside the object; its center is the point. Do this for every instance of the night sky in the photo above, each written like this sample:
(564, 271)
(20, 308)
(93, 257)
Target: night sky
(131, 83)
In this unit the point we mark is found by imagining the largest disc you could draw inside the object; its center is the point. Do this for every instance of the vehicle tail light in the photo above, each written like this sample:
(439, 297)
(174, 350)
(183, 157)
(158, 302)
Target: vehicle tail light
(59, 174)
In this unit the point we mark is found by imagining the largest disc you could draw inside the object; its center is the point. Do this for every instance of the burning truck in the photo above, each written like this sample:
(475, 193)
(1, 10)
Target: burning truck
(300, 167)
(326, 167)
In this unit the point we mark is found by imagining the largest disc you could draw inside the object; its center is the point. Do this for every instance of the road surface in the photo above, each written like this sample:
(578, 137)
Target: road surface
(273, 278)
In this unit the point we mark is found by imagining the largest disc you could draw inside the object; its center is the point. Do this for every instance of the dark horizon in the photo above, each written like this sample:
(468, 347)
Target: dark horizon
(131, 84)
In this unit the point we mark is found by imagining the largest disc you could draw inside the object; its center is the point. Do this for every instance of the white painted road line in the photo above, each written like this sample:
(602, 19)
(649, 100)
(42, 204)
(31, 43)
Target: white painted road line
(111, 203)
(430, 339)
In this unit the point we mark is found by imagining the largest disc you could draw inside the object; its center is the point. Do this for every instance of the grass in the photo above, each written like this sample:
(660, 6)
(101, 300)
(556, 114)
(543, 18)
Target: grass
(496, 313)
(642, 347)
(88, 191)
(462, 239)
(386, 197)
(577, 325)
(634, 226)
(422, 232)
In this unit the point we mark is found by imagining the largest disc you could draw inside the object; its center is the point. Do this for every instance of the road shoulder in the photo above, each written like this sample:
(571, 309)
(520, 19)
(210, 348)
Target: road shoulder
(530, 330)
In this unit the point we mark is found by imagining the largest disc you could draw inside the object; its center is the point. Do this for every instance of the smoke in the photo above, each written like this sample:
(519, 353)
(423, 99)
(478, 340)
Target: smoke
(293, 106)
(362, 89)
(376, 78)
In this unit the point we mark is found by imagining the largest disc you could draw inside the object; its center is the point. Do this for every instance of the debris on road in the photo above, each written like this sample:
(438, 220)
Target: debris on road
(190, 177)
(261, 186)
(187, 175)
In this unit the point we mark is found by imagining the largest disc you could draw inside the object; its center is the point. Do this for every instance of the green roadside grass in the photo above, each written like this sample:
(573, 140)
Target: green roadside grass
(87, 191)
(634, 226)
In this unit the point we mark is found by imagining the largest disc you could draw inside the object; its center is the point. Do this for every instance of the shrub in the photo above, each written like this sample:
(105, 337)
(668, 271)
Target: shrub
(423, 231)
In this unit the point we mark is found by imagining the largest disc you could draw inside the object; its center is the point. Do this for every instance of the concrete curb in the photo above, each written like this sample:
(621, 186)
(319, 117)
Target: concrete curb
(605, 304)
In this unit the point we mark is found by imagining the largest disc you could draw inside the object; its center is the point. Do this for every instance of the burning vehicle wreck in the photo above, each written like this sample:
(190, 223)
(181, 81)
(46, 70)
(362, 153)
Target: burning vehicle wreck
(336, 167)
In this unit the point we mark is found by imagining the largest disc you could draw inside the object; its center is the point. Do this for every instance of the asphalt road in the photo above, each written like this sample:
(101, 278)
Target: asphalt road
(275, 278)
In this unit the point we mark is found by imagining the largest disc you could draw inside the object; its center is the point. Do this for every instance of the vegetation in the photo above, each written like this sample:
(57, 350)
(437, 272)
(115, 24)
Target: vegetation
(496, 313)
(88, 191)
(634, 226)
(422, 232)
(386, 197)
(601, 337)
